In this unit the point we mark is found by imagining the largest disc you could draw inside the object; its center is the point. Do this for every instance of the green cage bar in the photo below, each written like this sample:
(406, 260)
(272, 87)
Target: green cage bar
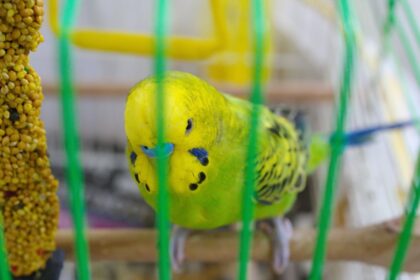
(411, 20)
(410, 217)
(409, 51)
(389, 25)
(4, 264)
(407, 48)
(337, 145)
(414, 196)
(392, 23)
(256, 99)
(162, 217)
(71, 141)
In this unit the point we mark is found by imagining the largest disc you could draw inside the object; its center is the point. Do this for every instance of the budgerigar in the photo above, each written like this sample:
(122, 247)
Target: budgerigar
(206, 138)
(206, 134)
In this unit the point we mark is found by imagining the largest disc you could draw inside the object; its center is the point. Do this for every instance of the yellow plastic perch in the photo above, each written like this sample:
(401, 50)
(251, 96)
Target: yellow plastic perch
(179, 47)
(228, 53)
(235, 64)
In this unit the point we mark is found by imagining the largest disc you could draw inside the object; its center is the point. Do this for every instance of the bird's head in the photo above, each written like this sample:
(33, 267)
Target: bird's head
(193, 117)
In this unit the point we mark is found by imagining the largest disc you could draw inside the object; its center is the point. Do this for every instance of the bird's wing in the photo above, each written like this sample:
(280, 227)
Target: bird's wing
(282, 160)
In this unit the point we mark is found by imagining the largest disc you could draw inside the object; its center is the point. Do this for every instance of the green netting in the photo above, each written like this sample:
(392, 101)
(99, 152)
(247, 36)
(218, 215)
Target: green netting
(337, 145)
(161, 22)
(257, 99)
(71, 141)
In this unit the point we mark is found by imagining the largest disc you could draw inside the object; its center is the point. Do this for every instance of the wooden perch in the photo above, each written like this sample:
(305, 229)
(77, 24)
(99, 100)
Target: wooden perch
(372, 245)
(301, 92)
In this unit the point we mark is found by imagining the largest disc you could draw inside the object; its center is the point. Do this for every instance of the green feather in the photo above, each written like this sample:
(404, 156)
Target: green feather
(319, 150)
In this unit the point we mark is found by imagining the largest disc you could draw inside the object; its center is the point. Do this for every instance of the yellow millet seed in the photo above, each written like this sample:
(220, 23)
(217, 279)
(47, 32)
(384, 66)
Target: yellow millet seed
(28, 197)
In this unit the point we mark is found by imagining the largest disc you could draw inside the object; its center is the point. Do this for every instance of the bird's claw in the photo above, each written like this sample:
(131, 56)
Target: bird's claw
(178, 238)
(280, 230)
(283, 231)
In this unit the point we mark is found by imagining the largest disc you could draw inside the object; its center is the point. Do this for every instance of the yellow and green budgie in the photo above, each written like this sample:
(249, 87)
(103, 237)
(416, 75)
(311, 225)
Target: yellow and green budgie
(206, 134)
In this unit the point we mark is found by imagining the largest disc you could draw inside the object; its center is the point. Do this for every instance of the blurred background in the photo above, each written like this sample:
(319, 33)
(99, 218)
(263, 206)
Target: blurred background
(304, 69)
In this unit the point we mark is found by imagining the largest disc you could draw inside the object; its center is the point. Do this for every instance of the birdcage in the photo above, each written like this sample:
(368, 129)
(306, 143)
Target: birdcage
(330, 66)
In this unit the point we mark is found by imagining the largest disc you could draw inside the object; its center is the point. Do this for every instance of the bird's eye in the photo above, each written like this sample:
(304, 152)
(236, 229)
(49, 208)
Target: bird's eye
(189, 126)
(144, 148)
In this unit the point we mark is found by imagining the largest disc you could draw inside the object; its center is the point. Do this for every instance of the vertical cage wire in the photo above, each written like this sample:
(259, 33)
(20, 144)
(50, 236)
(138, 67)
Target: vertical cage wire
(4, 264)
(71, 140)
(256, 98)
(337, 145)
(411, 20)
(408, 50)
(393, 23)
(161, 23)
(410, 217)
(414, 196)
(389, 49)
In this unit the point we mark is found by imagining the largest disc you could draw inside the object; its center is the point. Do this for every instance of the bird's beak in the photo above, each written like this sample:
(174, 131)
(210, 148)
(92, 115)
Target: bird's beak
(167, 150)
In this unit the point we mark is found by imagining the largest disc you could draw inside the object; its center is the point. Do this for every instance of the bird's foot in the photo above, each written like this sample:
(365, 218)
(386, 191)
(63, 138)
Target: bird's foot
(177, 251)
(280, 230)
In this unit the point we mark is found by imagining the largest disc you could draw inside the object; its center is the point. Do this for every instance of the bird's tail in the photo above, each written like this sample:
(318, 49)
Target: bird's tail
(319, 146)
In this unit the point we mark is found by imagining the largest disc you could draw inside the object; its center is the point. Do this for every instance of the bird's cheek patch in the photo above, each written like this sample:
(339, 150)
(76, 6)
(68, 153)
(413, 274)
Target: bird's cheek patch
(201, 154)
(133, 157)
